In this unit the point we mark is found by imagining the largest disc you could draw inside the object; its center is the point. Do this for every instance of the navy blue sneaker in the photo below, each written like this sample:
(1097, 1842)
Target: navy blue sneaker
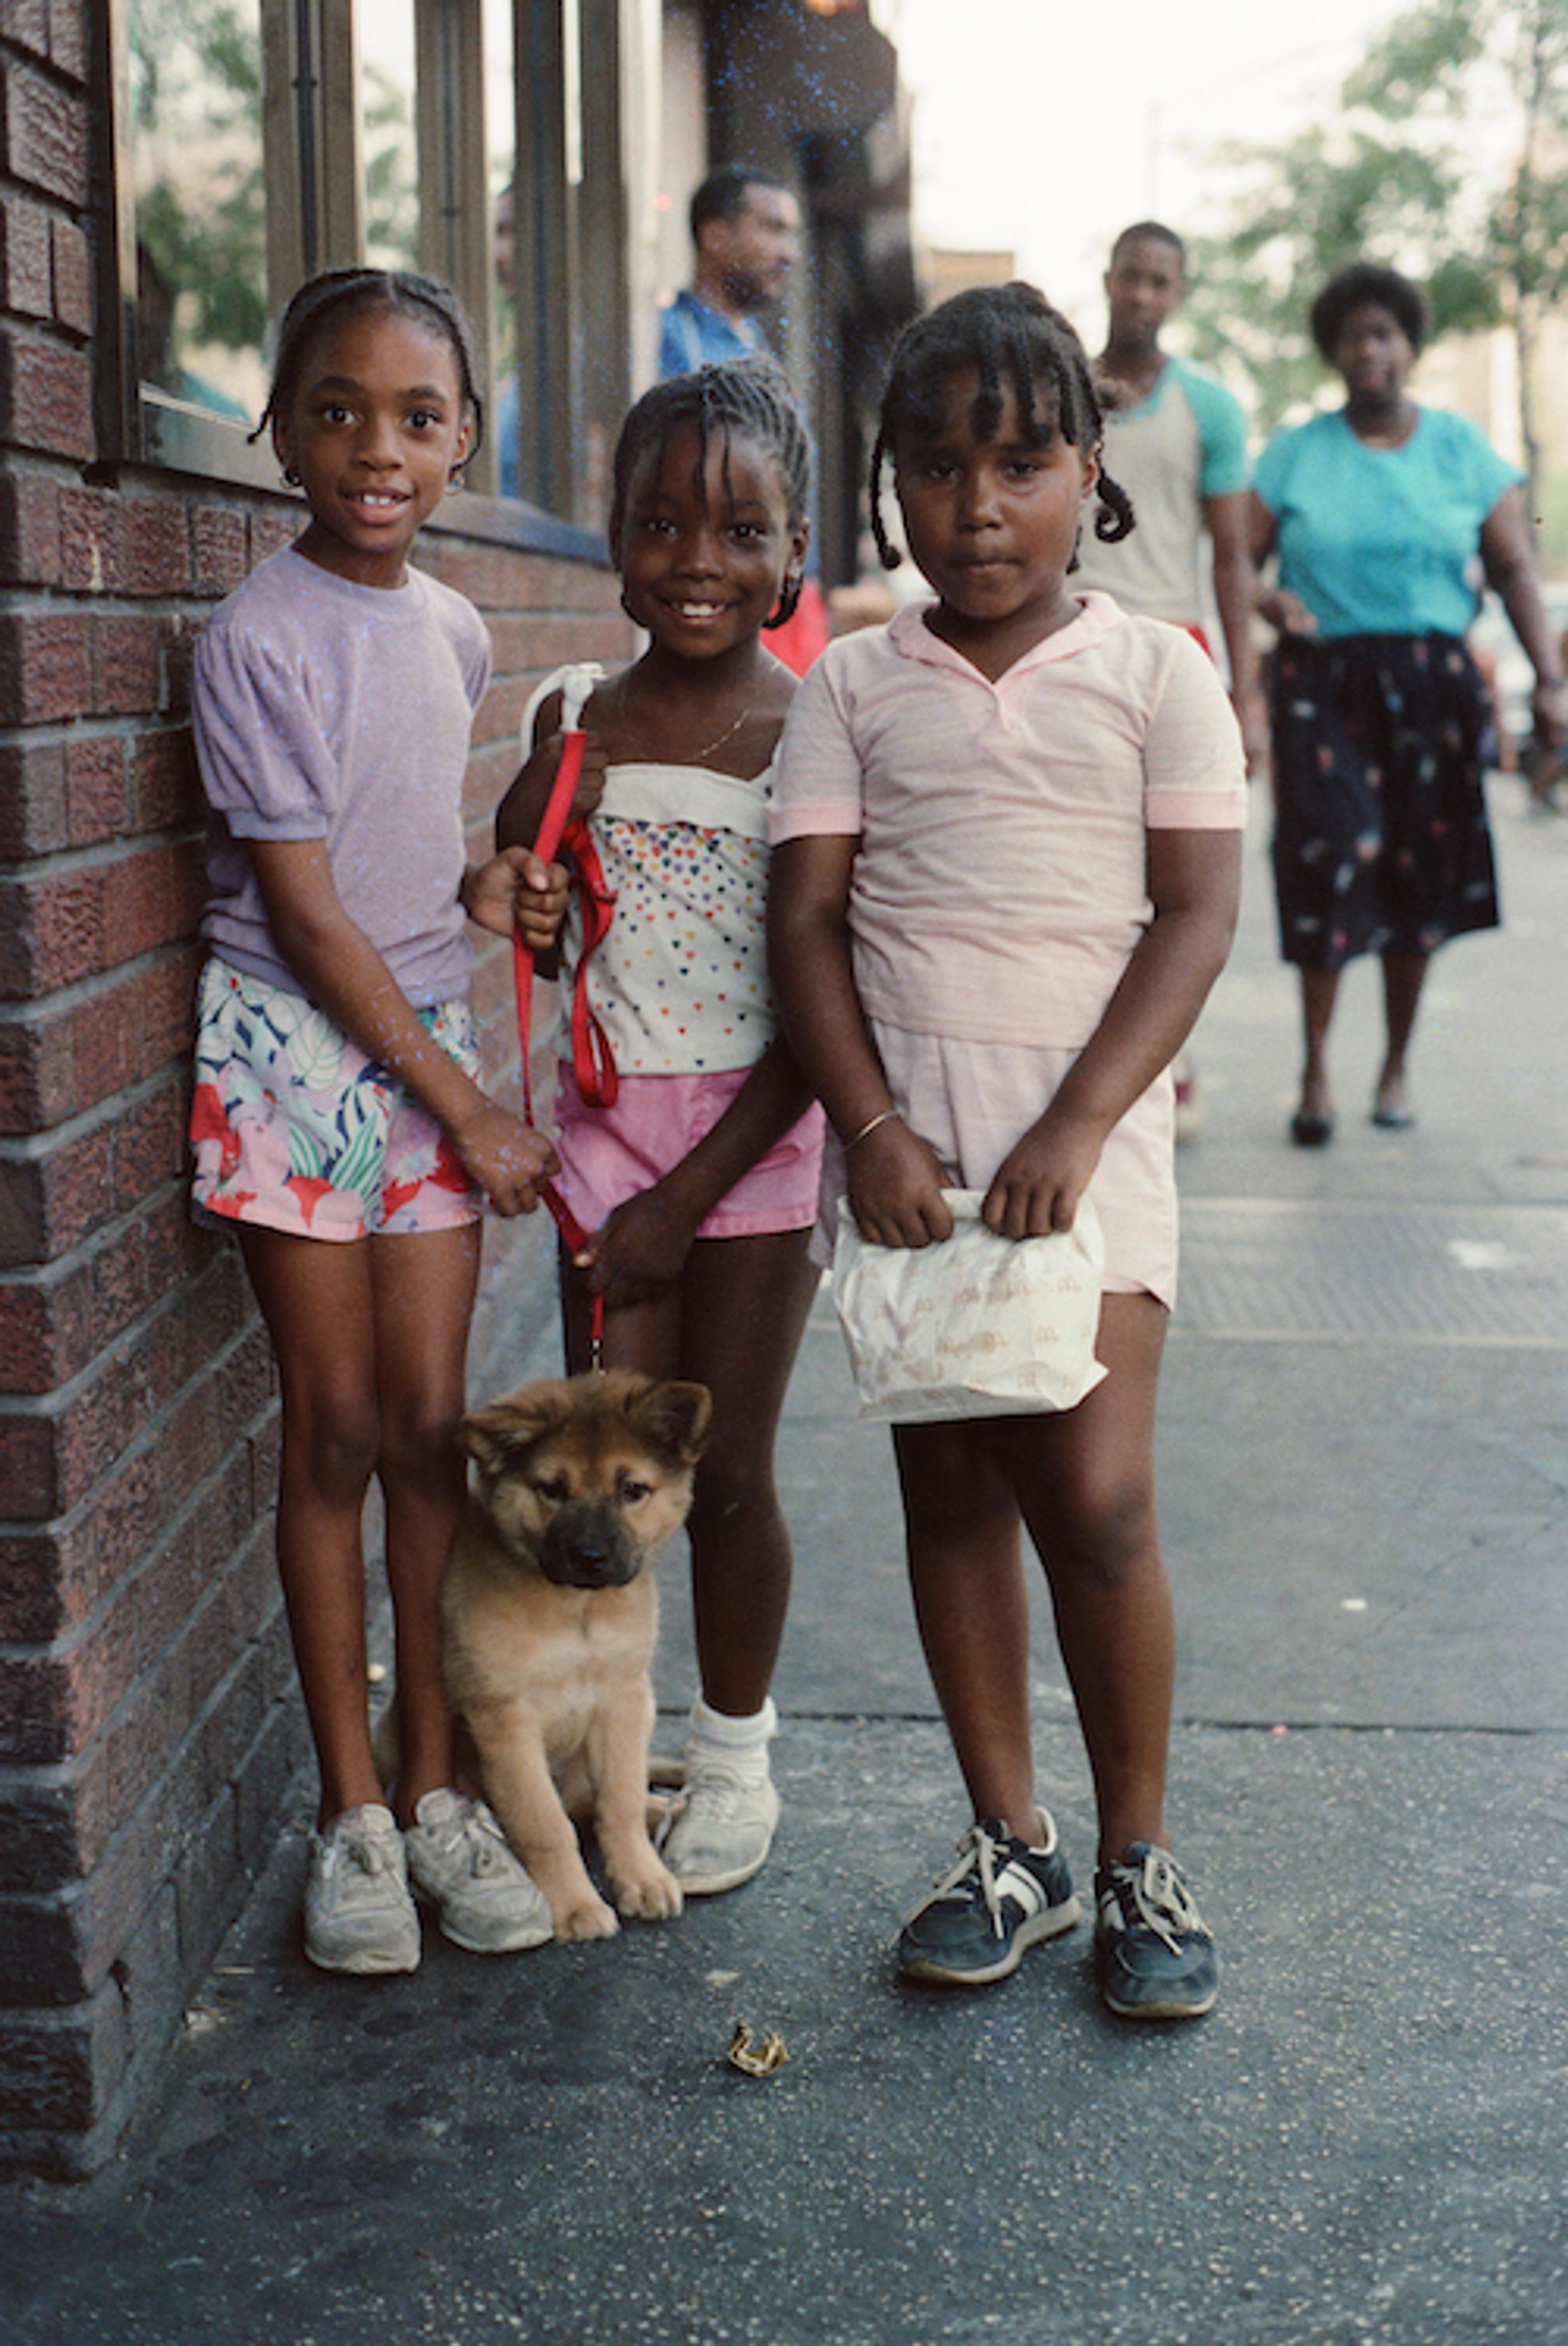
(1000, 1897)
(1153, 1950)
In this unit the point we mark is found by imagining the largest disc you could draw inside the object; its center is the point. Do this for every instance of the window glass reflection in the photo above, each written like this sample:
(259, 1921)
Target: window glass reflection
(501, 131)
(386, 98)
(200, 194)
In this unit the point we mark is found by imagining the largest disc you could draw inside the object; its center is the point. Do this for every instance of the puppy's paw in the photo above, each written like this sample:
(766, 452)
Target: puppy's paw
(649, 1894)
(586, 1917)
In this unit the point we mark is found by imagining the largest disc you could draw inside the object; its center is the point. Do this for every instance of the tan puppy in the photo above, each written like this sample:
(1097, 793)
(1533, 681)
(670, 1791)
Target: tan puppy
(549, 1612)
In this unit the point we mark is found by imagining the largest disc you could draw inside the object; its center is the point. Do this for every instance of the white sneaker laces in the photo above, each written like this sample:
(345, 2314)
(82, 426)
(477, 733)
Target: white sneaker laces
(470, 1838)
(1160, 1898)
(362, 1846)
(725, 1785)
(977, 1854)
(483, 1842)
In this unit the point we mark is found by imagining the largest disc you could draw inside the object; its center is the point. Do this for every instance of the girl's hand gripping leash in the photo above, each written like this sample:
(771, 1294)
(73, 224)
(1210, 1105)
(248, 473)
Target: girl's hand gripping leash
(592, 1065)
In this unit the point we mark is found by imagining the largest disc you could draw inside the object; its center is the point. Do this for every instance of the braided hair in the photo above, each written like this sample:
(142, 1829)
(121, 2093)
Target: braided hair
(1011, 338)
(321, 300)
(745, 399)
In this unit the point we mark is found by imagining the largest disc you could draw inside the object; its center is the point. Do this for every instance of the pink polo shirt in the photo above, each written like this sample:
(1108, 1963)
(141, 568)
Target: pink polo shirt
(1000, 882)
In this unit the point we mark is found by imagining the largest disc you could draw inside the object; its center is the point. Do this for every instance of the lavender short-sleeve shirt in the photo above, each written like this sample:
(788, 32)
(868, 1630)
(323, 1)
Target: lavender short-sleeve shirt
(329, 710)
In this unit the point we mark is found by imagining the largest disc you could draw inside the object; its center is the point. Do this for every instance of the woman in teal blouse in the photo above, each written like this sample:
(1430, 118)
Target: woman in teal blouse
(1385, 517)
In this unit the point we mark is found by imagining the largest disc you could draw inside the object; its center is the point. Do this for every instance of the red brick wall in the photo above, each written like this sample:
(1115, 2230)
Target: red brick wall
(148, 1726)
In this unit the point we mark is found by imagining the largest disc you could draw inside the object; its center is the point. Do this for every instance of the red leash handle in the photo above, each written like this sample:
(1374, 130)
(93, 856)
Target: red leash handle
(550, 832)
(592, 1063)
(558, 805)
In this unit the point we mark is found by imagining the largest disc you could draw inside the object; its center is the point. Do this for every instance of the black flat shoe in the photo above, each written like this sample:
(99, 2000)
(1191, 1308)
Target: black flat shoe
(1311, 1128)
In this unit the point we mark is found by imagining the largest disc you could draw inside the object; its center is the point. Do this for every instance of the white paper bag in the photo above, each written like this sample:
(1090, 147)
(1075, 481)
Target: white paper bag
(974, 1326)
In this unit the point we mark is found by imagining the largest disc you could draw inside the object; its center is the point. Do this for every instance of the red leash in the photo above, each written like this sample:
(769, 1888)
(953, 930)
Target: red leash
(592, 1062)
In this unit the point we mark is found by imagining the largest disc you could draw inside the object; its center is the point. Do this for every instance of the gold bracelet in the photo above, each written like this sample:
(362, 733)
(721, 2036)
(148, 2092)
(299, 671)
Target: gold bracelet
(887, 1117)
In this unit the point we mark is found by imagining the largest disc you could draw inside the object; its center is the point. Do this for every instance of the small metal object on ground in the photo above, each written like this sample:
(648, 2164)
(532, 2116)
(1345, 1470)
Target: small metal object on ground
(756, 2060)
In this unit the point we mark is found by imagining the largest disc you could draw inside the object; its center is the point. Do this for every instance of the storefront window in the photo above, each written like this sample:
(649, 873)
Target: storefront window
(252, 143)
(391, 176)
(200, 225)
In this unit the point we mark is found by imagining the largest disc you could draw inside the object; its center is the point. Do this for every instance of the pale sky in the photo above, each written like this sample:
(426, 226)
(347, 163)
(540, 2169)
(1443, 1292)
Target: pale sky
(1049, 125)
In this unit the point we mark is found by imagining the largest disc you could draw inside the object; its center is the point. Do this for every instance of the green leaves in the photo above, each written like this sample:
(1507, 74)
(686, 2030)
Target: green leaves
(1445, 161)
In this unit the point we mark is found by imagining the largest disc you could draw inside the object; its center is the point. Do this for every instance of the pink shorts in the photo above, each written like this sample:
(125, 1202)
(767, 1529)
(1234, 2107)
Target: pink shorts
(295, 1129)
(973, 1100)
(608, 1154)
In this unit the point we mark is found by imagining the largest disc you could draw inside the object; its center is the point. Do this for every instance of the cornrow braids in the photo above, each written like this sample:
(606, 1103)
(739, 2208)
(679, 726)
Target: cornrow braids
(1011, 338)
(336, 293)
(745, 399)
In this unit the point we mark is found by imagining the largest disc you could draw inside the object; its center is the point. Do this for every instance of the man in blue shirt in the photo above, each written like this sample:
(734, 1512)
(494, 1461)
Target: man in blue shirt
(745, 231)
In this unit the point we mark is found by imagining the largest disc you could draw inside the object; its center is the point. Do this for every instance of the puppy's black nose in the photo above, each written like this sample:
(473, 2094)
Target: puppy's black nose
(586, 1552)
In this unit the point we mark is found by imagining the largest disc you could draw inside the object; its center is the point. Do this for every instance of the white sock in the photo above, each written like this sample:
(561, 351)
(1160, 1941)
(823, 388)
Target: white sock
(721, 1732)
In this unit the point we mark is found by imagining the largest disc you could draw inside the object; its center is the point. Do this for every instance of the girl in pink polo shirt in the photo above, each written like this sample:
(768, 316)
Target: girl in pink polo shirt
(1007, 860)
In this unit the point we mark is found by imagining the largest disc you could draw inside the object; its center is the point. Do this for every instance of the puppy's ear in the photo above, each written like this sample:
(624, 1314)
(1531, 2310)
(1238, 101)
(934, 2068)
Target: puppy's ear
(508, 1430)
(675, 1417)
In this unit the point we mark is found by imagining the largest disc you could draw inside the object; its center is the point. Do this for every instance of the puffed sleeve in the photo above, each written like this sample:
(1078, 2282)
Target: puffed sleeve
(265, 761)
(475, 657)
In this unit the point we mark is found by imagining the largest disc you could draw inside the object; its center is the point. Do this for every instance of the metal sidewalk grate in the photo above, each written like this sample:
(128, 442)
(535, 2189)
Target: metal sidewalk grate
(1277, 1268)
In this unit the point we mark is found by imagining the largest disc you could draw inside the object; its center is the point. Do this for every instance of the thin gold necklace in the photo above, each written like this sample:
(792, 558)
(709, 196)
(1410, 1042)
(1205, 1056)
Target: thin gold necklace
(729, 731)
(719, 740)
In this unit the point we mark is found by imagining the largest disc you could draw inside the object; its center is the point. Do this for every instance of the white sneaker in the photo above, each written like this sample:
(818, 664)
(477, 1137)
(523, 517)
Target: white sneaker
(462, 1861)
(359, 1916)
(721, 1824)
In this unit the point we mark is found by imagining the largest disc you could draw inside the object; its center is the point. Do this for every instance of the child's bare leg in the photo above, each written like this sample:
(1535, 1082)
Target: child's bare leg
(424, 1287)
(734, 1324)
(1085, 1483)
(744, 1305)
(316, 1299)
(966, 1571)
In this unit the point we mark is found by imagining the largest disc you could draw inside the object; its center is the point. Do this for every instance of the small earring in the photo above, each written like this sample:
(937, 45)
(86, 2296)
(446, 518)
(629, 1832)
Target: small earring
(291, 476)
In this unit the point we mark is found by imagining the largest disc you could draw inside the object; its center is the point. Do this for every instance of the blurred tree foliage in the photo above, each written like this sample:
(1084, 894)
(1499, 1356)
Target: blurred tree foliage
(195, 129)
(196, 97)
(1449, 160)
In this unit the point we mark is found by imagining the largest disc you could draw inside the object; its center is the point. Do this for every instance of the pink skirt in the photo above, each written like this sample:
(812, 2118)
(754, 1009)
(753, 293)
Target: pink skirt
(972, 1101)
(608, 1154)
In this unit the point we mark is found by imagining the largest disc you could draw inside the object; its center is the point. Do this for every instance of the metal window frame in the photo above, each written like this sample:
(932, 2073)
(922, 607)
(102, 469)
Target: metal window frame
(310, 162)
(312, 158)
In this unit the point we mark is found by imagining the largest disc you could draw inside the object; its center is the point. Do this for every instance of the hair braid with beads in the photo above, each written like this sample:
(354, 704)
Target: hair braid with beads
(337, 293)
(1009, 337)
(745, 399)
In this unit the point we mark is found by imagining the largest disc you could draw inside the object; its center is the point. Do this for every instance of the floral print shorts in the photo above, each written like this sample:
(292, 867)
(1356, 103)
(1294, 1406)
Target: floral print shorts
(293, 1127)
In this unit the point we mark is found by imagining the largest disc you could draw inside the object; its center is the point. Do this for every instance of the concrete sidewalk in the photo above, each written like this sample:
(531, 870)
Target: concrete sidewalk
(1365, 1494)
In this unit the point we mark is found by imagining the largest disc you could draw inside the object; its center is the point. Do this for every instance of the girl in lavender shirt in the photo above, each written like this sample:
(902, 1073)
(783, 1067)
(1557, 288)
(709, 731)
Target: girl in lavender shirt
(337, 1123)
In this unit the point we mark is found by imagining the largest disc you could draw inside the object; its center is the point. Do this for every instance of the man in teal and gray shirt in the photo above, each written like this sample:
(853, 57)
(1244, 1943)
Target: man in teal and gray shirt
(1177, 445)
